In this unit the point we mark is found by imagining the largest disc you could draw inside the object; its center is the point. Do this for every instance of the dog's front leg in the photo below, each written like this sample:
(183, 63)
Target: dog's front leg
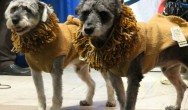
(57, 83)
(38, 81)
(110, 91)
(134, 78)
(117, 84)
(82, 70)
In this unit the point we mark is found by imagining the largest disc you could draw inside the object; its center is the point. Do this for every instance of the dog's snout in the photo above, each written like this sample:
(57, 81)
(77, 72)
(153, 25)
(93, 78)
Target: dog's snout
(89, 30)
(15, 20)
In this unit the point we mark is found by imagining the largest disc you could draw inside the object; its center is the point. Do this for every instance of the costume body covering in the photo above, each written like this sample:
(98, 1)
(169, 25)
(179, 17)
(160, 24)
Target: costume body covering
(154, 37)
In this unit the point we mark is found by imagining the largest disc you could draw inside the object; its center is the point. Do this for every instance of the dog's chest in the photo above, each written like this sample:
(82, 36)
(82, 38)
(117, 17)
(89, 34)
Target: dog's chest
(41, 61)
(62, 46)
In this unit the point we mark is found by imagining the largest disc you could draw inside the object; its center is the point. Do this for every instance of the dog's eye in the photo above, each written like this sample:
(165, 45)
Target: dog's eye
(28, 10)
(84, 15)
(13, 9)
(104, 16)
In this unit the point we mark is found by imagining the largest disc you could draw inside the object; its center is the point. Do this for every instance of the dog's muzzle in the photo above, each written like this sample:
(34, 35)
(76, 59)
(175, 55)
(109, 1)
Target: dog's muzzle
(16, 26)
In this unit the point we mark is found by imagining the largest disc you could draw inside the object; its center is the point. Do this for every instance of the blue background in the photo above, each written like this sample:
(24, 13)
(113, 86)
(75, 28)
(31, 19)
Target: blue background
(63, 7)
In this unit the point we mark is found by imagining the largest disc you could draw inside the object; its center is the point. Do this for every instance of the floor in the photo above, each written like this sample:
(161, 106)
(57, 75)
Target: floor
(22, 96)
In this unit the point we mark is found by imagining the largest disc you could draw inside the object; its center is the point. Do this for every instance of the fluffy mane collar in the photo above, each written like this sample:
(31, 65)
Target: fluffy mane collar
(117, 48)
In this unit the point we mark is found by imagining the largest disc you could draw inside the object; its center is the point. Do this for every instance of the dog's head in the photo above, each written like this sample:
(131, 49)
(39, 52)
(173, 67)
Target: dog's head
(24, 15)
(98, 17)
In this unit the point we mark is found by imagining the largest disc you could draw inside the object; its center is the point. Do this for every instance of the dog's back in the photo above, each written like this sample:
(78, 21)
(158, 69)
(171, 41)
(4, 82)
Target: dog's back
(157, 36)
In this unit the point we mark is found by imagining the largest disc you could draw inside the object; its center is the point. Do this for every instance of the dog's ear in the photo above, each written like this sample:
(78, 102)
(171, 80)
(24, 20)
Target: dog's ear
(77, 9)
(7, 11)
(46, 11)
(119, 2)
(122, 1)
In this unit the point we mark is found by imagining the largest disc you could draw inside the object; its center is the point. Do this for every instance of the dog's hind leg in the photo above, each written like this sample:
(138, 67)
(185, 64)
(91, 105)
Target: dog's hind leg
(173, 75)
(110, 91)
(38, 81)
(56, 74)
(117, 84)
(82, 69)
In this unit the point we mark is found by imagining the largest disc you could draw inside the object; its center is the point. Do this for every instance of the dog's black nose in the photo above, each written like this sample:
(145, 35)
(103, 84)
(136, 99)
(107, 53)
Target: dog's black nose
(89, 30)
(15, 20)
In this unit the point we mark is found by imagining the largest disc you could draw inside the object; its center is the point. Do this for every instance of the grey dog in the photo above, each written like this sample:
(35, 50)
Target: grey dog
(23, 16)
(99, 17)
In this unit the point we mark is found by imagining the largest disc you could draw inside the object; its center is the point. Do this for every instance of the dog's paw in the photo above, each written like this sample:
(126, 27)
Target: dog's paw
(55, 108)
(85, 103)
(110, 104)
(40, 108)
(172, 108)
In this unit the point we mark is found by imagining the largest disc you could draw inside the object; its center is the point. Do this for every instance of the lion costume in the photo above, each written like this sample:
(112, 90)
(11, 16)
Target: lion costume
(48, 41)
(129, 39)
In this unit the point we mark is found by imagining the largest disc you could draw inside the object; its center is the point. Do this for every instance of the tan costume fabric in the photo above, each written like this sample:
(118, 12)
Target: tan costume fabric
(62, 45)
(158, 37)
(153, 37)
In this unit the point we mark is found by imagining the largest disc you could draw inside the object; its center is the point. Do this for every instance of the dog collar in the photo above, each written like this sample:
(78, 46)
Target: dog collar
(116, 49)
